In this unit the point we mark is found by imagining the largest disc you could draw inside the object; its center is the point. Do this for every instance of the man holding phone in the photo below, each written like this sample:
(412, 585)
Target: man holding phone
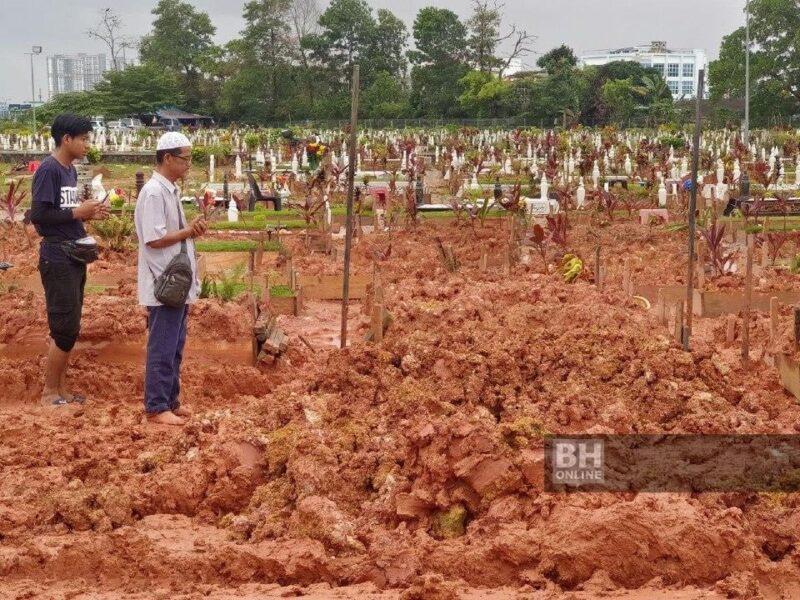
(161, 228)
(58, 215)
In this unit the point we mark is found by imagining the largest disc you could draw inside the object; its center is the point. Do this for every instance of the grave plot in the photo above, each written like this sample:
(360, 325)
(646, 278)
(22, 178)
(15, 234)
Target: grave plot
(411, 463)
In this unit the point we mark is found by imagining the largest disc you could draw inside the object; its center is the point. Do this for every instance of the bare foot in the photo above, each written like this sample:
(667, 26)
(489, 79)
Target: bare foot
(166, 418)
(182, 411)
(52, 399)
(70, 397)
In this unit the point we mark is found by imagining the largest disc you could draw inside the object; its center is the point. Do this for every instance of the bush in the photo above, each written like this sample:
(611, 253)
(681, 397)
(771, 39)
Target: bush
(94, 155)
(116, 230)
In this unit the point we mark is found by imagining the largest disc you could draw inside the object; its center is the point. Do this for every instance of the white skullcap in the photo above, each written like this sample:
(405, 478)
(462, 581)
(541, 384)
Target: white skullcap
(172, 140)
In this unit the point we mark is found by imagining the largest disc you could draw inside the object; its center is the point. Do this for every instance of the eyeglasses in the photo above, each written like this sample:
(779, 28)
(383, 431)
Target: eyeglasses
(184, 157)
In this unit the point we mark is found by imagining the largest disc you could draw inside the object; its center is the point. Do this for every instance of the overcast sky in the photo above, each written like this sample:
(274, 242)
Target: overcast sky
(59, 26)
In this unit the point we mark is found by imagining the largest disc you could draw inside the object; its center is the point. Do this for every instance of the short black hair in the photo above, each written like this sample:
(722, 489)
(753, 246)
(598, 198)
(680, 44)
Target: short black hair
(161, 154)
(71, 125)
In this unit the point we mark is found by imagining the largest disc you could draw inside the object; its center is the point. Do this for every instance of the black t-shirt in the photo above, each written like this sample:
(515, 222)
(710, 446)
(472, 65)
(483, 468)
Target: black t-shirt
(55, 184)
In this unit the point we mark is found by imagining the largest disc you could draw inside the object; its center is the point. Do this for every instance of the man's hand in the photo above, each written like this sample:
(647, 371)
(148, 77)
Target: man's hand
(198, 226)
(90, 209)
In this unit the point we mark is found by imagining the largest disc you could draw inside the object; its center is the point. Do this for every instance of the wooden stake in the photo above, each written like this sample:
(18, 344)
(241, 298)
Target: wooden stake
(251, 261)
(597, 268)
(796, 312)
(507, 261)
(298, 301)
(687, 331)
(626, 277)
(484, 264)
(260, 250)
(306, 342)
(377, 323)
(678, 329)
(748, 298)
(730, 329)
(661, 307)
(774, 307)
(701, 267)
(348, 238)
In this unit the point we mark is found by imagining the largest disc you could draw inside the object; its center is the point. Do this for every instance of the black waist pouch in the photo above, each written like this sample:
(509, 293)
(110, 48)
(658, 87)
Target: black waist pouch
(82, 251)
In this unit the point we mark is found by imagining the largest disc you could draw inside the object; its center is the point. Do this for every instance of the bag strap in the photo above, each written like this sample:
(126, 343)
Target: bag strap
(183, 242)
(180, 224)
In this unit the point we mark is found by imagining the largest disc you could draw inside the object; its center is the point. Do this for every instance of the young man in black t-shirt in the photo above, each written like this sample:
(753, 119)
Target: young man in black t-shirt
(58, 215)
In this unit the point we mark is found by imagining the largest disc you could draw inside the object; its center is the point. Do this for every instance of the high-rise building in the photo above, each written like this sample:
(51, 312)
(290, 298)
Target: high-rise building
(680, 68)
(74, 73)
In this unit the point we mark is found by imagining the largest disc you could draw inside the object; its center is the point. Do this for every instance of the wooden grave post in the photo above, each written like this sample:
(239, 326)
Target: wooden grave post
(748, 298)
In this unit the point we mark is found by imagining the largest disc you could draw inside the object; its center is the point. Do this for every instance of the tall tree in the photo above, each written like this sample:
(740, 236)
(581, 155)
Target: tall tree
(440, 61)
(774, 61)
(130, 91)
(388, 51)
(347, 30)
(558, 60)
(182, 41)
(484, 28)
(109, 31)
(304, 17)
(486, 39)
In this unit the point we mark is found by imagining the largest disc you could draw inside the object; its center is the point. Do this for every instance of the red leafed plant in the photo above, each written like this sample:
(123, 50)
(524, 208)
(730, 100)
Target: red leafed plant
(540, 241)
(606, 201)
(557, 228)
(714, 235)
(775, 240)
(513, 203)
(12, 198)
(207, 203)
(760, 174)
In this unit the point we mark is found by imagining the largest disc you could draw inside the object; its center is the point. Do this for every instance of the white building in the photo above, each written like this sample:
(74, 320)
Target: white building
(680, 68)
(74, 73)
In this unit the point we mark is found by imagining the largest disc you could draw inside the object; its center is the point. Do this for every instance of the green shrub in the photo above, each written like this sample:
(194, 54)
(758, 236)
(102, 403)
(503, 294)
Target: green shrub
(281, 291)
(94, 155)
(794, 266)
(117, 230)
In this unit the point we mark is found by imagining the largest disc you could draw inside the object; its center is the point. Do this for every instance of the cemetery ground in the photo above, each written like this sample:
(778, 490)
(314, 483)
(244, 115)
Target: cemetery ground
(409, 465)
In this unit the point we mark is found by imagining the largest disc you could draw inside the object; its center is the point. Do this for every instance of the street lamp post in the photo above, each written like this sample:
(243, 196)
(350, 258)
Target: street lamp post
(34, 51)
(746, 135)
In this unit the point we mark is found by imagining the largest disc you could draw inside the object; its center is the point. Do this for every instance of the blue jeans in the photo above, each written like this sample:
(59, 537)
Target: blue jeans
(167, 336)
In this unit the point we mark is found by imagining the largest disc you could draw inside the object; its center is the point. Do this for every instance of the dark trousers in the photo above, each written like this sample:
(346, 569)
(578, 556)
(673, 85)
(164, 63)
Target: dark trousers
(167, 336)
(63, 284)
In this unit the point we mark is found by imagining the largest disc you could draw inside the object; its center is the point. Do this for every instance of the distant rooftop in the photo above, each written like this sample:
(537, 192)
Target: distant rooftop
(656, 47)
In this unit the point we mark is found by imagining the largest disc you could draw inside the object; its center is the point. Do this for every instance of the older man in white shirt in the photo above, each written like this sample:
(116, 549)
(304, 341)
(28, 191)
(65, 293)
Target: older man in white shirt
(161, 227)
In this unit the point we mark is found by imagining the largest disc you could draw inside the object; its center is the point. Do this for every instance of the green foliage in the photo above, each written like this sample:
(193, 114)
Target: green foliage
(135, 89)
(117, 230)
(234, 246)
(181, 43)
(774, 60)
(619, 96)
(558, 60)
(94, 155)
(794, 265)
(281, 291)
(484, 94)
(439, 61)
(385, 98)
(228, 285)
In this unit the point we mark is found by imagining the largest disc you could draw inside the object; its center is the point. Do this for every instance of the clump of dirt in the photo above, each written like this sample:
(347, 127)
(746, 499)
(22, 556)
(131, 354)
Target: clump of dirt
(413, 465)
